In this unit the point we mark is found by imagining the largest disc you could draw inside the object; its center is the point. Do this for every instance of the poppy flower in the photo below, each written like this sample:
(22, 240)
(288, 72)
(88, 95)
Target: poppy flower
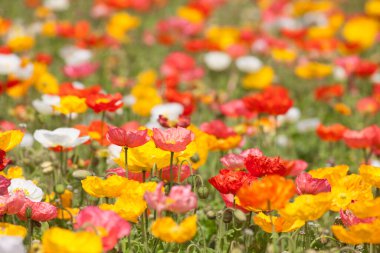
(106, 223)
(269, 193)
(281, 224)
(328, 92)
(359, 233)
(80, 71)
(125, 138)
(358, 139)
(307, 207)
(236, 161)
(349, 219)
(59, 139)
(103, 102)
(331, 133)
(226, 137)
(259, 166)
(58, 239)
(368, 105)
(306, 184)
(230, 181)
(168, 230)
(172, 139)
(40, 211)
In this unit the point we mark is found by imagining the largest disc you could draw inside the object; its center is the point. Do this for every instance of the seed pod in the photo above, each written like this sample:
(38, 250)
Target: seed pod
(240, 216)
(195, 158)
(81, 174)
(203, 192)
(227, 216)
(60, 188)
(211, 215)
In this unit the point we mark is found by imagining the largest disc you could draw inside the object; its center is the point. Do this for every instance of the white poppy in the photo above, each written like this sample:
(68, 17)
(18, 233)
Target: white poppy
(339, 73)
(75, 56)
(27, 140)
(46, 103)
(170, 110)
(31, 191)
(291, 116)
(25, 72)
(57, 5)
(12, 244)
(113, 153)
(375, 78)
(63, 137)
(9, 63)
(129, 100)
(307, 125)
(217, 61)
(248, 64)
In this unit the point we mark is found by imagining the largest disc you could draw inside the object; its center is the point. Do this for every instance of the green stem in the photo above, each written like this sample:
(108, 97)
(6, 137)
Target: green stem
(126, 161)
(171, 170)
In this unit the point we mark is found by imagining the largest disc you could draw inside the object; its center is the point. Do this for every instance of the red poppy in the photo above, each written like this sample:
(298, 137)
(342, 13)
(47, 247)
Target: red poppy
(68, 89)
(184, 98)
(359, 139)
(365, 68)
(104, 102)
(331, 133)
(4, 161)
(260, 166)
(328, 92)
(230, 181)
(124, 138)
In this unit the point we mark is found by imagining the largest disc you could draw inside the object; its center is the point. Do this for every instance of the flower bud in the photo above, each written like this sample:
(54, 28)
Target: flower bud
(211, 215)
(60, 188)
(47, 167)
(203, 192)
(240, 216)
(195, 158)
(227, 216)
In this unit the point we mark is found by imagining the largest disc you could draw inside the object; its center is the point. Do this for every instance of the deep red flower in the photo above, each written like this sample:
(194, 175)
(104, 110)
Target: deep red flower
(125, 138)
(4, 183)
(4, 161)
(230, 181)
(103, 102)
(260, 166)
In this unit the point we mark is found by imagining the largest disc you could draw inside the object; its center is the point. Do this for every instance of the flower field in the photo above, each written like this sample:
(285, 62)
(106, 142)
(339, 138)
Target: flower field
(211, 126)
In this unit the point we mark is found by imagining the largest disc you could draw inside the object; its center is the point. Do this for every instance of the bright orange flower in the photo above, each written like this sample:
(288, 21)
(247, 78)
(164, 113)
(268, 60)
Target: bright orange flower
(331, 133)
(270, 193)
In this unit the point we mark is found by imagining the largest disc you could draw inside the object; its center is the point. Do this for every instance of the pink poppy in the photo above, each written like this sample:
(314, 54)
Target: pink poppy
(4, 183)
(368, 105)
(81, 70)
(157, 199)
(172, 139)
(218, 129)
(306, 184)
(295, 167)
(236, 161)
(40, 211)
(349, 219)
(182, 66)
(116, 171)
(348, 63)
(12, 204)
(236, 108)
(127, 138)
(182, 199)
(108, 224)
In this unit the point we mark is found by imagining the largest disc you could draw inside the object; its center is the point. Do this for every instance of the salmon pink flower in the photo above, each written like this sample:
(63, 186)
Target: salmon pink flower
(358, 139)
(12, 204)
(368, 105)
(294, 167)
(40, 211)
(230, 181)
(127, 138)
(4, 184)
(172, 139)
(306, 184)
(157, 200)
(236, 161)
(80, 71)
(110, 226)
(182, 199)
(218, 129)
(349, 219)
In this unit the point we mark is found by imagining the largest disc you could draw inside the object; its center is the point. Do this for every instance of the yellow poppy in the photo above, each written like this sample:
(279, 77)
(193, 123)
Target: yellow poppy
(357, 234)
(10, 139)
(12, 230)
(361, 31)
(260, 79)
(332, 174)
(168, 230)
(58, 240)
(281, 224)
(71, 104)
(370, 174)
